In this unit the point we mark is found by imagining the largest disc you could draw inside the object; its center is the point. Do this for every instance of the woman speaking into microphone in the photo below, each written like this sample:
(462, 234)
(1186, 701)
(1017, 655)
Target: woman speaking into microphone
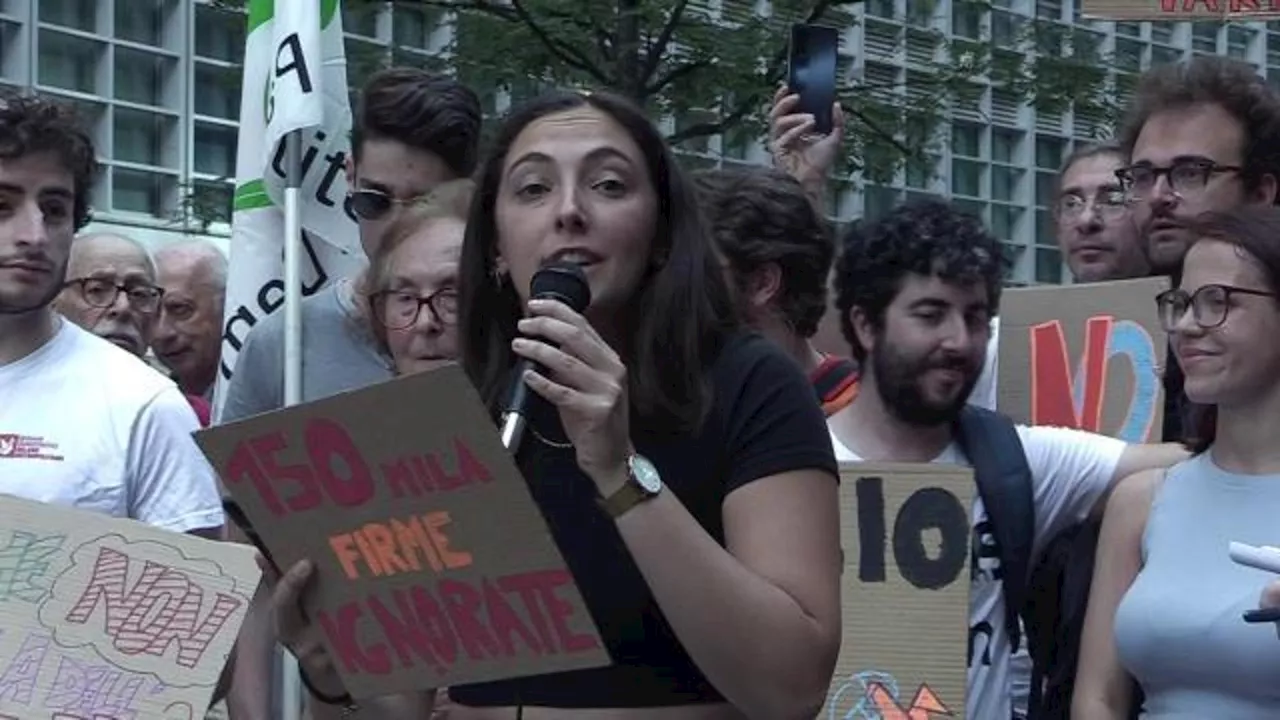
(682, 465)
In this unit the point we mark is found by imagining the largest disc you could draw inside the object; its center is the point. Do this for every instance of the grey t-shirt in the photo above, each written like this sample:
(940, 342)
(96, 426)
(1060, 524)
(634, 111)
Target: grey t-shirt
(338, 354)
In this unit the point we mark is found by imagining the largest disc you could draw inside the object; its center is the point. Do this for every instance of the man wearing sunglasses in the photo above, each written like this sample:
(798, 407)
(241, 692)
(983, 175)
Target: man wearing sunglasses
(413, 131)
(1201, 136)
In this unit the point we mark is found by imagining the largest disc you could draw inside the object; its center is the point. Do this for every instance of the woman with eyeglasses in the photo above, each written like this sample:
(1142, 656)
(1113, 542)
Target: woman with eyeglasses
(681, 463)
(412, 284)
(1167, 601)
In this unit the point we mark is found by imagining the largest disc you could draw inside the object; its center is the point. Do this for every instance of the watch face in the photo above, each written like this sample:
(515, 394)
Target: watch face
(645, 474)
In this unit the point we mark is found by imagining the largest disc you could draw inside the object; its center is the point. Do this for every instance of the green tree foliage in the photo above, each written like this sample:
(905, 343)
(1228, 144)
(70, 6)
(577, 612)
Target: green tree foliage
(715, 70)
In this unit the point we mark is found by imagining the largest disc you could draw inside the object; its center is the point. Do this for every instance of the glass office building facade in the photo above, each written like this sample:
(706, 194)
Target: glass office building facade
(159, 82)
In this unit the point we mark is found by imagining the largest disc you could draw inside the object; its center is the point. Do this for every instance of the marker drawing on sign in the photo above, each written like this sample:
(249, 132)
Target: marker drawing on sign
(20, 678)
(927, 512)
(142, 606)
(875, 695)
(1077, 399)
(94, 690)
(24, 563)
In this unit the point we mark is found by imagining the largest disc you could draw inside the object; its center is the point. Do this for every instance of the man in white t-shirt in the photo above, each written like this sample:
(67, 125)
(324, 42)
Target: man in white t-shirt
(916, 291)
(83, 423)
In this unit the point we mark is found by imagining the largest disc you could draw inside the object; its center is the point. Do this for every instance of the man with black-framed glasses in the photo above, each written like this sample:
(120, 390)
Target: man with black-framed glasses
(1201, 136)
(111, 290)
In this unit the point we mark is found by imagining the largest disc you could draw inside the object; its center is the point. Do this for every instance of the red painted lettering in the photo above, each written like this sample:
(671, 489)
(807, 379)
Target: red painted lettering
(161, 609)
(469, 466)
(423, 473)
(528, 592)
(242, 464)
(1052, 388)
(343, 635)
(266, 447)
(444, 480)
(401, 478)
(505, 622)
(461, 602)
(326, 440)
(403, 632)
(434, 624)
(546, 582)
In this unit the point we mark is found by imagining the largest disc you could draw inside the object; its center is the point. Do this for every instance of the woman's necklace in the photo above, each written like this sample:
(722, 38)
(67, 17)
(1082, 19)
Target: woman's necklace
(549, 443)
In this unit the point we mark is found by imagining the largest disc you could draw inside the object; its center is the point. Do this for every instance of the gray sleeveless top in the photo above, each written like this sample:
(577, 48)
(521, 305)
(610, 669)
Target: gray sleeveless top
(1178, 629)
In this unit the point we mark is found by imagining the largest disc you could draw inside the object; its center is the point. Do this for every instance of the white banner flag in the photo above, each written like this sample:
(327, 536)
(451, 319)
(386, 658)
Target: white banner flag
(295, 78)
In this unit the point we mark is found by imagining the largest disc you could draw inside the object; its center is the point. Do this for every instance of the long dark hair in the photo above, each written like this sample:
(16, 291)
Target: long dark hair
(683, 312)
(1253, 231)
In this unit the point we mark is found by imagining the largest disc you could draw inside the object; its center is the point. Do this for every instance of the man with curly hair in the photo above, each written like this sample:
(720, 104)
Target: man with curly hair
(129, 451)
(916, 291)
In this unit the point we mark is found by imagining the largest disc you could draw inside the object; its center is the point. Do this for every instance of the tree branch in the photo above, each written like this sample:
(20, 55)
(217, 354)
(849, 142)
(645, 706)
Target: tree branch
(659, 47)
(685, 69)
(515, 12)
(568, 54)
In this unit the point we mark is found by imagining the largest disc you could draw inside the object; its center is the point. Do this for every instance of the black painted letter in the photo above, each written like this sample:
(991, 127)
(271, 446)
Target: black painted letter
(930, 508)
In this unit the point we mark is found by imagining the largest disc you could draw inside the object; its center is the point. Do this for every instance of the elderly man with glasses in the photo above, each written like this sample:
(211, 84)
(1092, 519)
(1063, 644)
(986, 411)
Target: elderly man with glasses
(111, 290)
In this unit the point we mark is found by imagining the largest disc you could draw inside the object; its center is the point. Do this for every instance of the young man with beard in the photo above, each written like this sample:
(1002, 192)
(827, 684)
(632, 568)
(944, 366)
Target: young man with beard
(1202, 135)
(916, 292)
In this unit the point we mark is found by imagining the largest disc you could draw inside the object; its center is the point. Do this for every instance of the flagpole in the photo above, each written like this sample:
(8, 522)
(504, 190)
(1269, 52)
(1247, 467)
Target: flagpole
(290, 688)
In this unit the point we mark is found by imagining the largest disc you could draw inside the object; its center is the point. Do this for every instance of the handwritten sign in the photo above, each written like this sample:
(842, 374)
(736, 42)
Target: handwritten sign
(108, 619)
(1180, 10)
(906, 534)
(1085, 356)
(434, 565)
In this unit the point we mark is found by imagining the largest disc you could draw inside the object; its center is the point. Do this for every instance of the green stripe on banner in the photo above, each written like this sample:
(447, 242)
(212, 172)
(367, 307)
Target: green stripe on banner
(260, 11)
(251, 196)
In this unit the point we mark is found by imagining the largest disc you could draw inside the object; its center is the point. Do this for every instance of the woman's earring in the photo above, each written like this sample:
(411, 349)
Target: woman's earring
(499, 279)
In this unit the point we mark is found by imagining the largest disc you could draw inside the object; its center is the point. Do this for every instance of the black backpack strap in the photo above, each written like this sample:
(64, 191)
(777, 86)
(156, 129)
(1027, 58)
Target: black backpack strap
(990, 441)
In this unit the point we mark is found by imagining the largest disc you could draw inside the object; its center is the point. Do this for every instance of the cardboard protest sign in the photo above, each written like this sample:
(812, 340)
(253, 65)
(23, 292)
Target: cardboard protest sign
(905, 530)
(1085, 356)
(434, 566)
(109, 619)
(1180, 10)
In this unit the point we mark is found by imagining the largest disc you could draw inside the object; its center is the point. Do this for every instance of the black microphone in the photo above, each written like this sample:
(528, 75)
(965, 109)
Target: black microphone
(561, 281)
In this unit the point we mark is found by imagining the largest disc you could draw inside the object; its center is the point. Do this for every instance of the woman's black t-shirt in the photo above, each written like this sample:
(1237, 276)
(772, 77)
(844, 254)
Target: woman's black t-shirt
(763, 420)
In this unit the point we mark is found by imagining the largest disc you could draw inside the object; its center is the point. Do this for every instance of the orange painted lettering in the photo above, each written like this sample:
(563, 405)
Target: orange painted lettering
(925, 705)
(434, 523)
(344, 548)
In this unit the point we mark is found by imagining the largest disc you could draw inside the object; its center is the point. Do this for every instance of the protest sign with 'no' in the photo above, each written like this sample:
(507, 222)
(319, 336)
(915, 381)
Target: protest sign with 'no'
(107, 619)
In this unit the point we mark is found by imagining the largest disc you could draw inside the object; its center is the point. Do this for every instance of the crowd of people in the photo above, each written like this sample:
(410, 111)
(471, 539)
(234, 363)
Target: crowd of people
(689, 423)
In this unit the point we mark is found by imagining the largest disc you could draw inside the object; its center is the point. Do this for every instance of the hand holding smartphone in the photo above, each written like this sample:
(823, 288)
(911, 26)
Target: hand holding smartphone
(811, 71)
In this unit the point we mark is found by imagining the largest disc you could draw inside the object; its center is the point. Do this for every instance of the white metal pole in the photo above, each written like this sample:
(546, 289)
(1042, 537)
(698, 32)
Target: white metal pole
(290, 686)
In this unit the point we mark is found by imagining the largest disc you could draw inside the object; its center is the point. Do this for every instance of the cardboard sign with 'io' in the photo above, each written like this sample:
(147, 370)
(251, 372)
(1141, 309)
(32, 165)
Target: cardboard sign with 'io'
(434, 566)
(906, 533)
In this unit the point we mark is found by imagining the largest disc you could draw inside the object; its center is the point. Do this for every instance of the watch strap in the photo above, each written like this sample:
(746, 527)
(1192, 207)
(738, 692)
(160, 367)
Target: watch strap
(623, 499)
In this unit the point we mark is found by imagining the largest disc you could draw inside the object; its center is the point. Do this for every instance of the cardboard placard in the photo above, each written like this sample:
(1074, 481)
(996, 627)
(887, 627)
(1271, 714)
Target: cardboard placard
(906, 531)
(1085, 356)
(1181, 10)
(434, 566)
(110, 619)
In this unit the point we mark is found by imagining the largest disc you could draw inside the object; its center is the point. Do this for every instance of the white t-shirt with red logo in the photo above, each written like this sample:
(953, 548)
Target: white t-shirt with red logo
(85, 424)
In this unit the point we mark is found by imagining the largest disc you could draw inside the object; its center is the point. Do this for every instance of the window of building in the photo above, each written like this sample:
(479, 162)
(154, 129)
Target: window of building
(1162, 32)
(1005, 181)
(975, 208)
(1046, 228)
(882, 9)
(78, 14)
(966, 140)
(69, 62)
(361, 19)
(143, 21)
(1128, 55)
(1204, 37)
(878, 200)
(1238, 41)
(1048, 265)
(966, 19)
(143, 77)
(215, 149)
(219, 34)
(218, 91)
(139, 192)
(414, 26)
(920, 171)
(1004, 221)
(145, 138)
(967, 177)
(1006, 146)
(1050, 152)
